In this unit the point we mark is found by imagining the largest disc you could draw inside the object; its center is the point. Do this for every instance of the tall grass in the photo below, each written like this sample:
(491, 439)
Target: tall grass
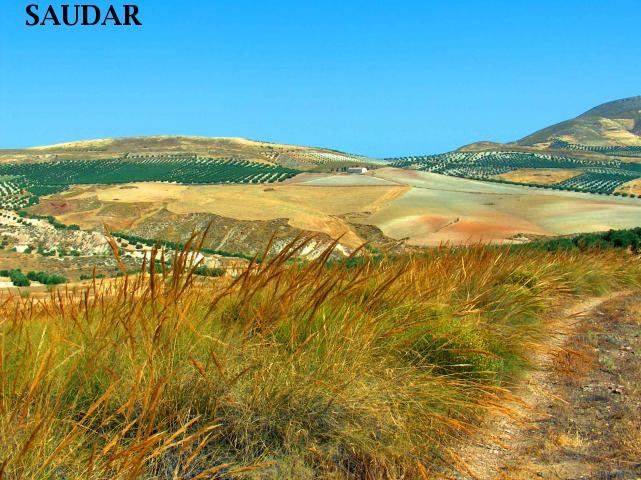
(292, 370)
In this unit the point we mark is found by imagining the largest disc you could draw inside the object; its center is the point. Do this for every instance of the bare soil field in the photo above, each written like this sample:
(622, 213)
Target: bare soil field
(340, 180)
(542, 176)
(447, 209)
(309, 208)
(419, 208)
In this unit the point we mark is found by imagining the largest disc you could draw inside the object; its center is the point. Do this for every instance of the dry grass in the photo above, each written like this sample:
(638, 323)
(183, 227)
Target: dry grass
(633, 187)
(569, 440)
(540, 176)
(292, 370)
(635, 313)
(629, 438)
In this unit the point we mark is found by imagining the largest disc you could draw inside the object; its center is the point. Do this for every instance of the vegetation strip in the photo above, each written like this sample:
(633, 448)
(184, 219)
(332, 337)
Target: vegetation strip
(46, 178)
(628, 239)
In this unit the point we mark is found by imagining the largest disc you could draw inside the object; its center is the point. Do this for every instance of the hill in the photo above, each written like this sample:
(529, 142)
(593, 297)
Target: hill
(598, 152)
(616, 123)
(164, 187)
(290, 156)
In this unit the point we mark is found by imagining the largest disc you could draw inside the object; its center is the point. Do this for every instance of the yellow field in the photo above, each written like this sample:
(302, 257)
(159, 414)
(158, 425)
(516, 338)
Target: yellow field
(633, 187)
(293, 370)
(540, 176)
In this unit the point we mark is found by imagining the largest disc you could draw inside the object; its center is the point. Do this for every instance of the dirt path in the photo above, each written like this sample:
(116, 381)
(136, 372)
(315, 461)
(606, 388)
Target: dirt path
(585, 421)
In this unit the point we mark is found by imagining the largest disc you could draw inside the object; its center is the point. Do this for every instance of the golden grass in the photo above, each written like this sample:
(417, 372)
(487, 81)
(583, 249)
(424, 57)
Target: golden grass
(635, 313)
(569, 440)
(292, 370)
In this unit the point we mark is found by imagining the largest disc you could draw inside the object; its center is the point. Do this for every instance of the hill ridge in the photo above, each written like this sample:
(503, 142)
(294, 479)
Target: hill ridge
(615, 123)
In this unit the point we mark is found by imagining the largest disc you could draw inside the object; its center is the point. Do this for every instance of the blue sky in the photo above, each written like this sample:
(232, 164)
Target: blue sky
(383, 78)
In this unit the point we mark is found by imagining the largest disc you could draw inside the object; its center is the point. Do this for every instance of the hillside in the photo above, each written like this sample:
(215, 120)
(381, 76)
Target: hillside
(616, 123)
(597, 152)
(163, 188)
(291, 156)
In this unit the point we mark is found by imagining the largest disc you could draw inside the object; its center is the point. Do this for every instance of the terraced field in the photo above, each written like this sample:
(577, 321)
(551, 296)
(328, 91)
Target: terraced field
(594, 177)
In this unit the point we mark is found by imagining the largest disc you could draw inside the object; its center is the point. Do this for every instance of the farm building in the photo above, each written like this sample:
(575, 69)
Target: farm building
(357, 170)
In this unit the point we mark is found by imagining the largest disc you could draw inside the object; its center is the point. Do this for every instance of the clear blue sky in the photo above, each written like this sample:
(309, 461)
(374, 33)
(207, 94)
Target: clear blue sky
(383, 78)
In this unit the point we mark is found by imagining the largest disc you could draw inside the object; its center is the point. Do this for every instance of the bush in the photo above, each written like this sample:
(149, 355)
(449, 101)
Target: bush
(209, 272)
(19, 279)
(46, 278)
(618, 239)
(91, 277)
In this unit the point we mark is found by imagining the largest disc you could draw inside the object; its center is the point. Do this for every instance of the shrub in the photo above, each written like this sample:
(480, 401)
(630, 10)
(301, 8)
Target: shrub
(91, 277)
(209, 272)
(19, 279)
(46, 278)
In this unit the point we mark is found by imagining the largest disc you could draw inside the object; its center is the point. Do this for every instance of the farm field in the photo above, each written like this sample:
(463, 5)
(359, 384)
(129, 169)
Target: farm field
(52, 177)
(418, 207)
(310, 208)
(633, 151)
(540, 176)
(167, 147)
(439, 209)
(325, 180)
(593, 176)
(633, 187)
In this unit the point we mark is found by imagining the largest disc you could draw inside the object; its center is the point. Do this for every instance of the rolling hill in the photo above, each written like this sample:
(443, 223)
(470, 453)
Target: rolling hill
(580, 175)
(597, 152)
(289, 156)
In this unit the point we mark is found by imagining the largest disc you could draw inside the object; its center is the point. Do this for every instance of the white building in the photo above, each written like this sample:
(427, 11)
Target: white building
(357, 170)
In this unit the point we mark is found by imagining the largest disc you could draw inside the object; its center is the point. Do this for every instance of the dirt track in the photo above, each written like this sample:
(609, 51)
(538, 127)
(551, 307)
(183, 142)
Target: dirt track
(586, 417)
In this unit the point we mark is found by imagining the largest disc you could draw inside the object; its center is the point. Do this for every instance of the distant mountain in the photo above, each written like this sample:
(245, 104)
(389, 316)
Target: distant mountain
(616, 123)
